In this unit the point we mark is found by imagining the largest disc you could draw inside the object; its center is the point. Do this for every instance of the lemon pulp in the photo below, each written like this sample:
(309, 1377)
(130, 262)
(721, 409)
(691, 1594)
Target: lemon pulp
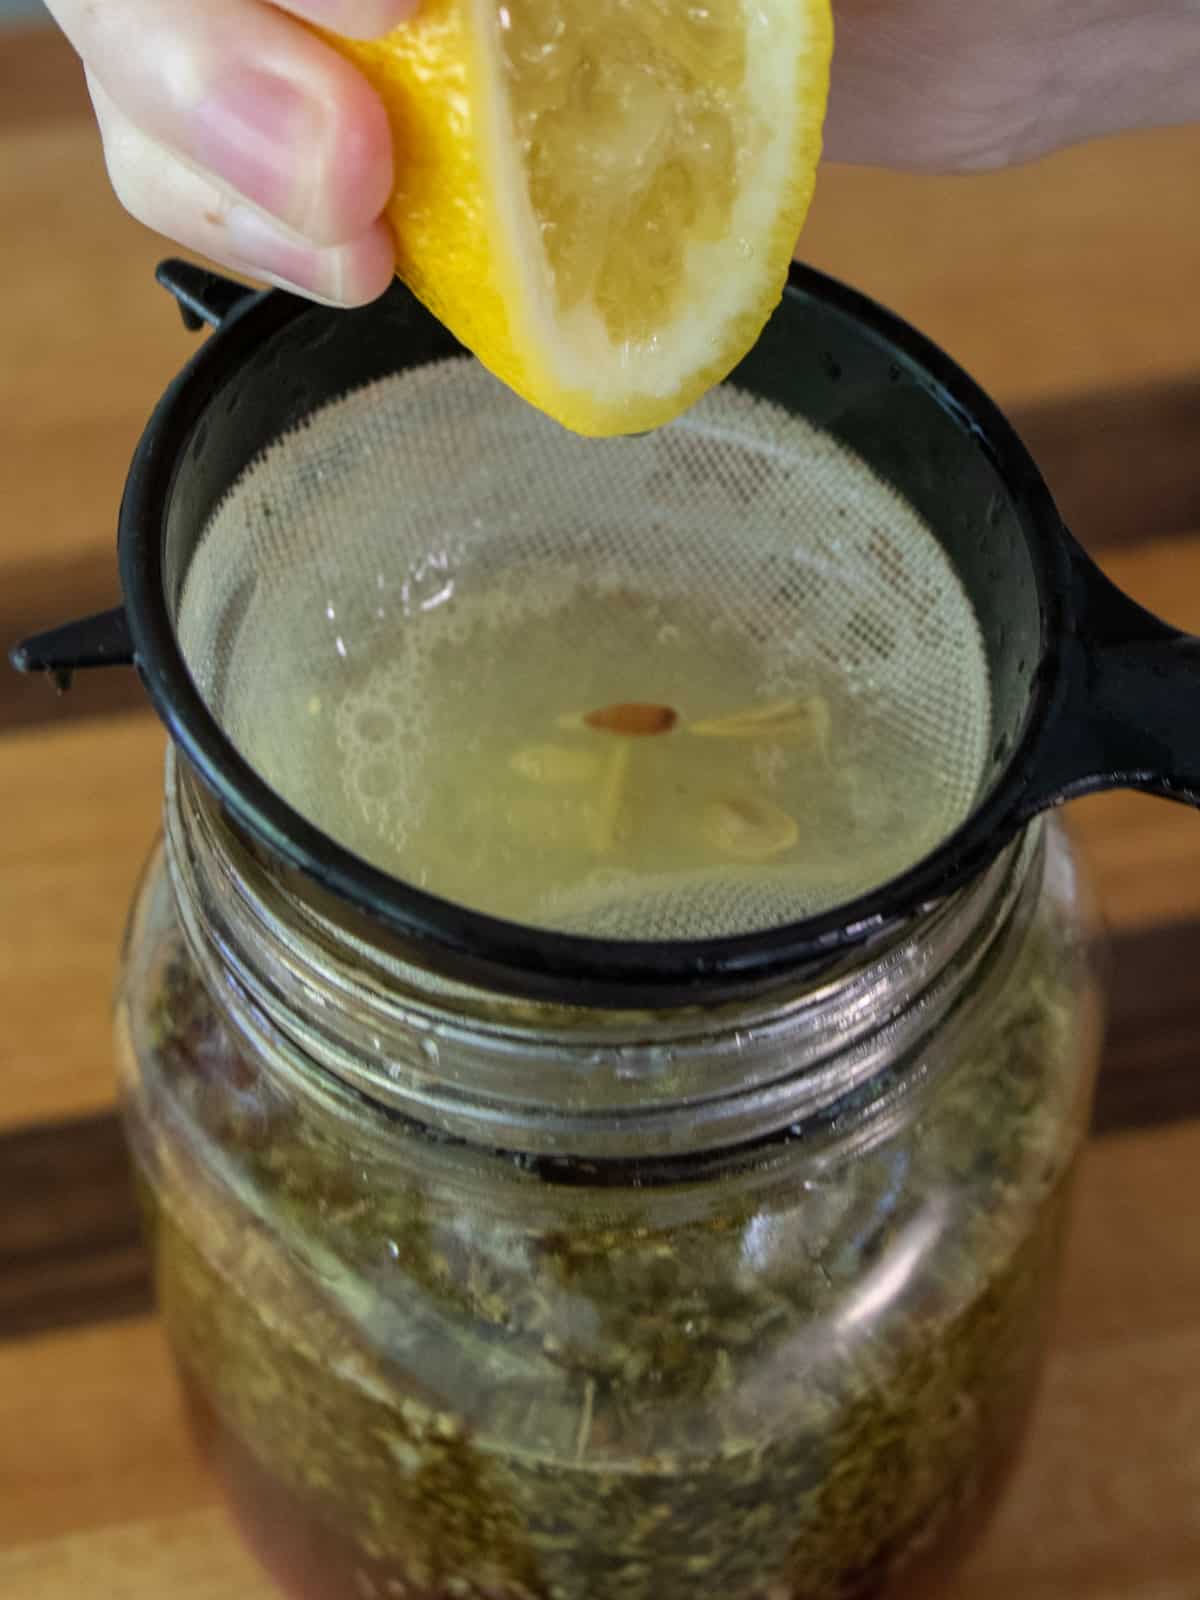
(601, 199)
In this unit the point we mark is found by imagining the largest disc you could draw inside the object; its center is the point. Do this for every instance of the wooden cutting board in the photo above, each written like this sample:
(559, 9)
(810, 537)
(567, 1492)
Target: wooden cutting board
(1070, 289)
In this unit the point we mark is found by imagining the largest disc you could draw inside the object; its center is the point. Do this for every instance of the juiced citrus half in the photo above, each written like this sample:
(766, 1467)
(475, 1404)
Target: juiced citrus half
(600, 198)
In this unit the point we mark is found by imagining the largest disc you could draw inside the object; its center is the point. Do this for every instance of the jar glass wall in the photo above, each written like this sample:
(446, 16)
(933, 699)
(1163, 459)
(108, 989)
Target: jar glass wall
(746, 1302)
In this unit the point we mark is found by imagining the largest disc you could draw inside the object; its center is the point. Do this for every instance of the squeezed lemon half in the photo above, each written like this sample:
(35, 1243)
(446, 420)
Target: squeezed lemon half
(600, 198)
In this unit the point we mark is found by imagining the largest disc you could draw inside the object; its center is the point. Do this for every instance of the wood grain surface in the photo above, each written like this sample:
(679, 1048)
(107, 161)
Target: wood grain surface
(1069, 288)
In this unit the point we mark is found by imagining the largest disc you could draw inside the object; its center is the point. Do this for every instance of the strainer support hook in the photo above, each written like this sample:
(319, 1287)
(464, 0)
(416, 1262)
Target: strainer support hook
(204, 297)
(102, 640)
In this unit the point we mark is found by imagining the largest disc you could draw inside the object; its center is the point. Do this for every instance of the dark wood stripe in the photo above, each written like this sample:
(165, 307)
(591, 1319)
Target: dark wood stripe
(34, 702)
(38, 595)
(1123, 466)
(70, 1246)
(1151, 1070)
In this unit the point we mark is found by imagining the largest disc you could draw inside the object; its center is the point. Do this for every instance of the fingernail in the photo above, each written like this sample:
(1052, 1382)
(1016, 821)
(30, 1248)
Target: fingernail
(360, 19)
(258, 133)
(271, 252)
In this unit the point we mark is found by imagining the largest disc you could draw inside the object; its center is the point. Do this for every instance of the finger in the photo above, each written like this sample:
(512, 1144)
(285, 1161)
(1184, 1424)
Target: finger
(357, 19)
(172, 198)
(242, 91)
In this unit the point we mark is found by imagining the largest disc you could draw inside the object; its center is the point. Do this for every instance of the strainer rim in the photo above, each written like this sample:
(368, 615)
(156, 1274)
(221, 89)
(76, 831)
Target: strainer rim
(474, 946)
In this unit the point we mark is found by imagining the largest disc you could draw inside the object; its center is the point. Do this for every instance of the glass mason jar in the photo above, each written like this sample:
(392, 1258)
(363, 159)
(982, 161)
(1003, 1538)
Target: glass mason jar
(478, 1299)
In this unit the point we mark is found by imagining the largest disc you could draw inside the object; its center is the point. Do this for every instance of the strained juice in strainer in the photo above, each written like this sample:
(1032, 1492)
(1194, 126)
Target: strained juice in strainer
(426, 662)
(599, 760)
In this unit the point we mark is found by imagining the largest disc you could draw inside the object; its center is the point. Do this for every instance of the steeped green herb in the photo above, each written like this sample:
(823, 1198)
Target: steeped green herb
(543, 1394)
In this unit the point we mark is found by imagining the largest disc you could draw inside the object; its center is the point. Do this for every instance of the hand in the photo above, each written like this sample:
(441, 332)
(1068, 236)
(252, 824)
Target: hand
(967, 85)
(235, 131)
(232, 129)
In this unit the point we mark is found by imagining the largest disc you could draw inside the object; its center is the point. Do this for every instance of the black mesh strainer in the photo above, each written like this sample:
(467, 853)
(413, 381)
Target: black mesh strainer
(340, 504)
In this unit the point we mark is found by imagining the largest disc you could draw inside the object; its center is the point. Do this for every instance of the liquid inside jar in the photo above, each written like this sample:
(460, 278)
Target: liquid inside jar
(432, 1373)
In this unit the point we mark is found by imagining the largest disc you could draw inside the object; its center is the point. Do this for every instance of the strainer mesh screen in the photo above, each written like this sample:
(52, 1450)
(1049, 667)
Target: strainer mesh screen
(401, 610)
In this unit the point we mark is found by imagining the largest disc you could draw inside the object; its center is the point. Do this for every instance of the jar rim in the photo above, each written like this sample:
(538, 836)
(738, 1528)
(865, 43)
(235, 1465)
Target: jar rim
(596, 1084)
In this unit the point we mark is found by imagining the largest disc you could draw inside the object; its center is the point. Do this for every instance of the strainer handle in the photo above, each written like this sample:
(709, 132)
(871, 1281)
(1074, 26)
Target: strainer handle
(1125, 711)
(204, 297)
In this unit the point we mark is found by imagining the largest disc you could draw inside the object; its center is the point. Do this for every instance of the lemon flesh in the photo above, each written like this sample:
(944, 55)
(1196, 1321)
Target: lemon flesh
(600, 198)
